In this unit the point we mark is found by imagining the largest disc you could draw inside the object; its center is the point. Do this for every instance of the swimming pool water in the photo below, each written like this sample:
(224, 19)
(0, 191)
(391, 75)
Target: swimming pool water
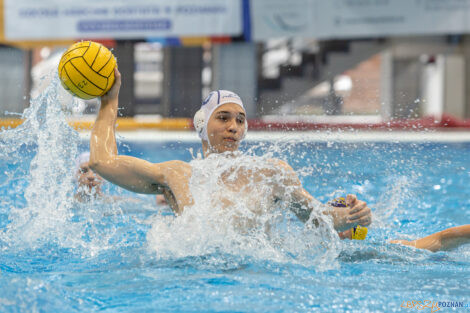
(96, 257)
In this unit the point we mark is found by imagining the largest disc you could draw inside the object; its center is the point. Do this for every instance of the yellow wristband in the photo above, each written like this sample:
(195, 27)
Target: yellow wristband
(359, 233)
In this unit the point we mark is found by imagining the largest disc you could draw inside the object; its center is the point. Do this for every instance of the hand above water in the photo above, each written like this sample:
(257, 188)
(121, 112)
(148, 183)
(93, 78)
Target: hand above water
(355, 213)
(359, 212)
(113, 93)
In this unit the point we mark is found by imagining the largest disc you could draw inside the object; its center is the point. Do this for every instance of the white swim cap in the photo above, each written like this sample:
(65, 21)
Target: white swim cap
(214, 100)
(82, 158)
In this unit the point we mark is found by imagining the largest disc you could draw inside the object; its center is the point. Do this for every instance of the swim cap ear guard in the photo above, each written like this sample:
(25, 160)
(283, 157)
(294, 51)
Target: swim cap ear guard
(198, 122)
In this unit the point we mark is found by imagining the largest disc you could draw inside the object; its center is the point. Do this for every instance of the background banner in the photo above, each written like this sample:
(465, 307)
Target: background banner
(120, 19)
(358, 18)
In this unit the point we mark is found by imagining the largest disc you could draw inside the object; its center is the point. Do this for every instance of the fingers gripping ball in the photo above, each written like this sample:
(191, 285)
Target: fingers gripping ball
(86, 69)
(358, 232)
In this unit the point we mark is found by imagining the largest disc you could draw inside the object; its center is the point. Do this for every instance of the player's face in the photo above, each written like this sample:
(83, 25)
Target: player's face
(86, 177)
(226, 127)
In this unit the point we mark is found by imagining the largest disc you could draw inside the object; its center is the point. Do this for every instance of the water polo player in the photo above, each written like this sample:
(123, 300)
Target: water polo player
(221, 125)
(89, 183)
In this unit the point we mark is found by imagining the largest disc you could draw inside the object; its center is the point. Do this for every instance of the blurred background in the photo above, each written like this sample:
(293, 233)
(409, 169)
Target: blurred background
(309, 61)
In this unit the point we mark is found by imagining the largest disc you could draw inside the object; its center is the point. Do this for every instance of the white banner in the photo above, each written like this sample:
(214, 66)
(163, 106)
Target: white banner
(281, 18)
(325, 19)
(71, 19)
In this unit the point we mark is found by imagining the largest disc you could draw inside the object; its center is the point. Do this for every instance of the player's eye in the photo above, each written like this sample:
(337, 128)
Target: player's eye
(223, 117)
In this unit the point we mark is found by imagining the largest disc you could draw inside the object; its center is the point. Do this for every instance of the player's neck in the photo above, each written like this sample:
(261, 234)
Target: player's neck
(207, 150)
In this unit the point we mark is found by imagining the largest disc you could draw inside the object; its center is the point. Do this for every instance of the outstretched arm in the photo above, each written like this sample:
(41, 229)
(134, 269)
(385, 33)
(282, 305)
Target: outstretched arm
(302, 203)
(344, 218)
(128, 172)
(444, 240)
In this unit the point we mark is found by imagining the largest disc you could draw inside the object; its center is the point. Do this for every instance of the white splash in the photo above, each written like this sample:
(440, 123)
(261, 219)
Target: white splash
(242, 219)
(50, 179)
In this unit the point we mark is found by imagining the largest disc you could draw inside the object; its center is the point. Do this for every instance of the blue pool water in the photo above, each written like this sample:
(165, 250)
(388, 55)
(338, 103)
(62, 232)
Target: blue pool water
(98, 258)
(128, 255)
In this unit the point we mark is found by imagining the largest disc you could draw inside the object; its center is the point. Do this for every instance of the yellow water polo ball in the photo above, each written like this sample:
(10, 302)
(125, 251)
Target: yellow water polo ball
(86, 69)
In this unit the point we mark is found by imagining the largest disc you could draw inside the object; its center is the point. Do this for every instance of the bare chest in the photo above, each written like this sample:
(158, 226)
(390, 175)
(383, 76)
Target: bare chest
(248, 188)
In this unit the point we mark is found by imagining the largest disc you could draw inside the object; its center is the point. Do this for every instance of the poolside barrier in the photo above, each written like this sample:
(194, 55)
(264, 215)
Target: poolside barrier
(158, 123)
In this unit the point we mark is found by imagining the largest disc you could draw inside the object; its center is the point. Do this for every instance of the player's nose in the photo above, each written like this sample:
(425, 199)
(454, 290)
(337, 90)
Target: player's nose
(232, 126)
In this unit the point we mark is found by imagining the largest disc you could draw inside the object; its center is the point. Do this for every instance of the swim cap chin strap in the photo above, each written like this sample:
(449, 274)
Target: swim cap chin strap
(214, 100)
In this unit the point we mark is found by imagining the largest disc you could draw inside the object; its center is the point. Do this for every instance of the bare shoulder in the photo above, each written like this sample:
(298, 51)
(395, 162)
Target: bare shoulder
(283, 170)
(284, 173)
(281, 165)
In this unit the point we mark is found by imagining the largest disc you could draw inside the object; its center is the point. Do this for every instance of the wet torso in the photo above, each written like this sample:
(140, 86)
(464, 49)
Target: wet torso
(254, 188)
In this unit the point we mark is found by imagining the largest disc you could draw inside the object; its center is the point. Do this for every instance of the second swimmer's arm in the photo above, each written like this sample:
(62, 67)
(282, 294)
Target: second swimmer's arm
(128, 172)
(443, 240)
(455, 236)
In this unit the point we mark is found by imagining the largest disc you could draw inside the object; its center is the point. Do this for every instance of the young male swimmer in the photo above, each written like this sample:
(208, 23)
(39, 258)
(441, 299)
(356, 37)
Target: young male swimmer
(88, 182)
(221, 124)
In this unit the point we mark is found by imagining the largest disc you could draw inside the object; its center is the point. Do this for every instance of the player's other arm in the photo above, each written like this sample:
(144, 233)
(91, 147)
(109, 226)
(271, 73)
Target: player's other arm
(128, 172)
(455, 236)
(444, 240)
(302, 203)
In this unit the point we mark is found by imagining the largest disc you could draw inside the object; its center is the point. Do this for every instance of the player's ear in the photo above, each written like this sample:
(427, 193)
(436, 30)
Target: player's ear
(198, 122)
